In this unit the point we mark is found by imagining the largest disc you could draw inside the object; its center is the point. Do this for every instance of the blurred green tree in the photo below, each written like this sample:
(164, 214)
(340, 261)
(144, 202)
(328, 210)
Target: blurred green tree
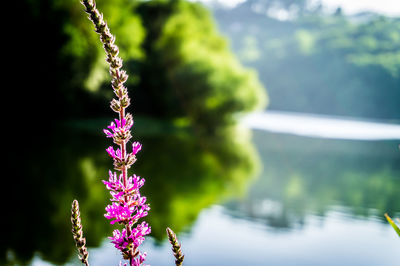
(184, 174)
(319, 62)
(189, 71)
(180, 67)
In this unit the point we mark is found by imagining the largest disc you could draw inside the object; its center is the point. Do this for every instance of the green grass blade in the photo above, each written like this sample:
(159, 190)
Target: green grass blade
(395, 227)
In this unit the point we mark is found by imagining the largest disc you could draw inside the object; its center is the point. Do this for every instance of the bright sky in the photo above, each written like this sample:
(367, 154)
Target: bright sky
(229, 3)
(385, 7)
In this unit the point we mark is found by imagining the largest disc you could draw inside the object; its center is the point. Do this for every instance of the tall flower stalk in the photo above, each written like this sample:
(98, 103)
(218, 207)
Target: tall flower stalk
(77, 233)
(176, 247)
(127, 205)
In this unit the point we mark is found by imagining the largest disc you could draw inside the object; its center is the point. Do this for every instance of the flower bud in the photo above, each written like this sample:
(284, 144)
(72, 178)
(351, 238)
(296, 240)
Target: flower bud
(125, 101)
(123, 76)
(128, 120)
(116, 63)
(115, 105)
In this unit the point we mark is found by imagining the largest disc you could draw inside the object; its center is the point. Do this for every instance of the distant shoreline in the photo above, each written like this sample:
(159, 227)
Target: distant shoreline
(322, 126)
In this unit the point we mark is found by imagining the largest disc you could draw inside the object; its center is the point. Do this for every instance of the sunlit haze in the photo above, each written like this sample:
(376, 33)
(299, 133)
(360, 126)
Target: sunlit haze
(385, 7)
(322, 126)
(228, 3)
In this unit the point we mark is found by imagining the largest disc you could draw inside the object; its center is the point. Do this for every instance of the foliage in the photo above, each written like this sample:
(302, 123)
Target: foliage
(65, 76)
(305, 175)
(392, 223)
(191, 174)
(181, 67)
(189, 70)
(61, 56)
(319, 62)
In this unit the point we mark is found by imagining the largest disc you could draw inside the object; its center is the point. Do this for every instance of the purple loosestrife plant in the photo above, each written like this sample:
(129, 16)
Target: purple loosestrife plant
(127, 204)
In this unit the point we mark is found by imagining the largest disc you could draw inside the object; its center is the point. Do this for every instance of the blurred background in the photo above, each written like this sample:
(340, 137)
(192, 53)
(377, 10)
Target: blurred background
(270, 130)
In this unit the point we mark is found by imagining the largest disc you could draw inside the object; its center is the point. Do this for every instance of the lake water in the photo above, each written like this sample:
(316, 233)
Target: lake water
(304, 190)
(322, 126)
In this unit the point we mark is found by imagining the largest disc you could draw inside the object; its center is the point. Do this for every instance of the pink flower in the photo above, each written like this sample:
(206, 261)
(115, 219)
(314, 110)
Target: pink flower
(140, 212)
(136, 147)
(113, 182)
(138, 233)
(119, 212)
(121, 127)
(126, 209)
(116, 154)
(116, 186)
(119, 239)
(138, 261)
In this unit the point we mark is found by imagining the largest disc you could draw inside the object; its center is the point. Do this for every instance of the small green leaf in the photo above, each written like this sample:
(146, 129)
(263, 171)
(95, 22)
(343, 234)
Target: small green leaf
(395, 227)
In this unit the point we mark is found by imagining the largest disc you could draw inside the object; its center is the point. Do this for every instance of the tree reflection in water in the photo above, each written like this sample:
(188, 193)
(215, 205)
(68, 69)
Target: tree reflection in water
(183, 173)
(306, 176)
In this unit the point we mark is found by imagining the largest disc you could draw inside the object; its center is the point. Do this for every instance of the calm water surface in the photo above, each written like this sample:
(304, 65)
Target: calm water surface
(275, 199)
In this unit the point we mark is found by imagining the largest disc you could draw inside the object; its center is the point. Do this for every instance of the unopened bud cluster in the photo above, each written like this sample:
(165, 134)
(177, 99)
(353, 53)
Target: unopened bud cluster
(77, 233)
(120, 131)
(119, 77)
(176, 247)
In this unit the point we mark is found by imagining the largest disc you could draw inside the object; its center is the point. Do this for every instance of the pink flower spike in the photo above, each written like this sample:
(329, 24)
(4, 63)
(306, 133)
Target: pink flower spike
(136, 147)
(127, 205)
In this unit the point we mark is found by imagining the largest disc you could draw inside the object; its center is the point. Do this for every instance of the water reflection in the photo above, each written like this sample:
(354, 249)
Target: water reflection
(186, 175)
(306, 176)
(56, 166)
(183, 173)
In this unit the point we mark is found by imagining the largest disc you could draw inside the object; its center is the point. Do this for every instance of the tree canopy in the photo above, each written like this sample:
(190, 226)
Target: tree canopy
(319, 62)
(189, 70)
(181, 68)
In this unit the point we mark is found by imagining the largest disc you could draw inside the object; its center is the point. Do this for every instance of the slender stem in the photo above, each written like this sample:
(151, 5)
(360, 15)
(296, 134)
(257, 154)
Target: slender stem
(123, 150)
(125, 181)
